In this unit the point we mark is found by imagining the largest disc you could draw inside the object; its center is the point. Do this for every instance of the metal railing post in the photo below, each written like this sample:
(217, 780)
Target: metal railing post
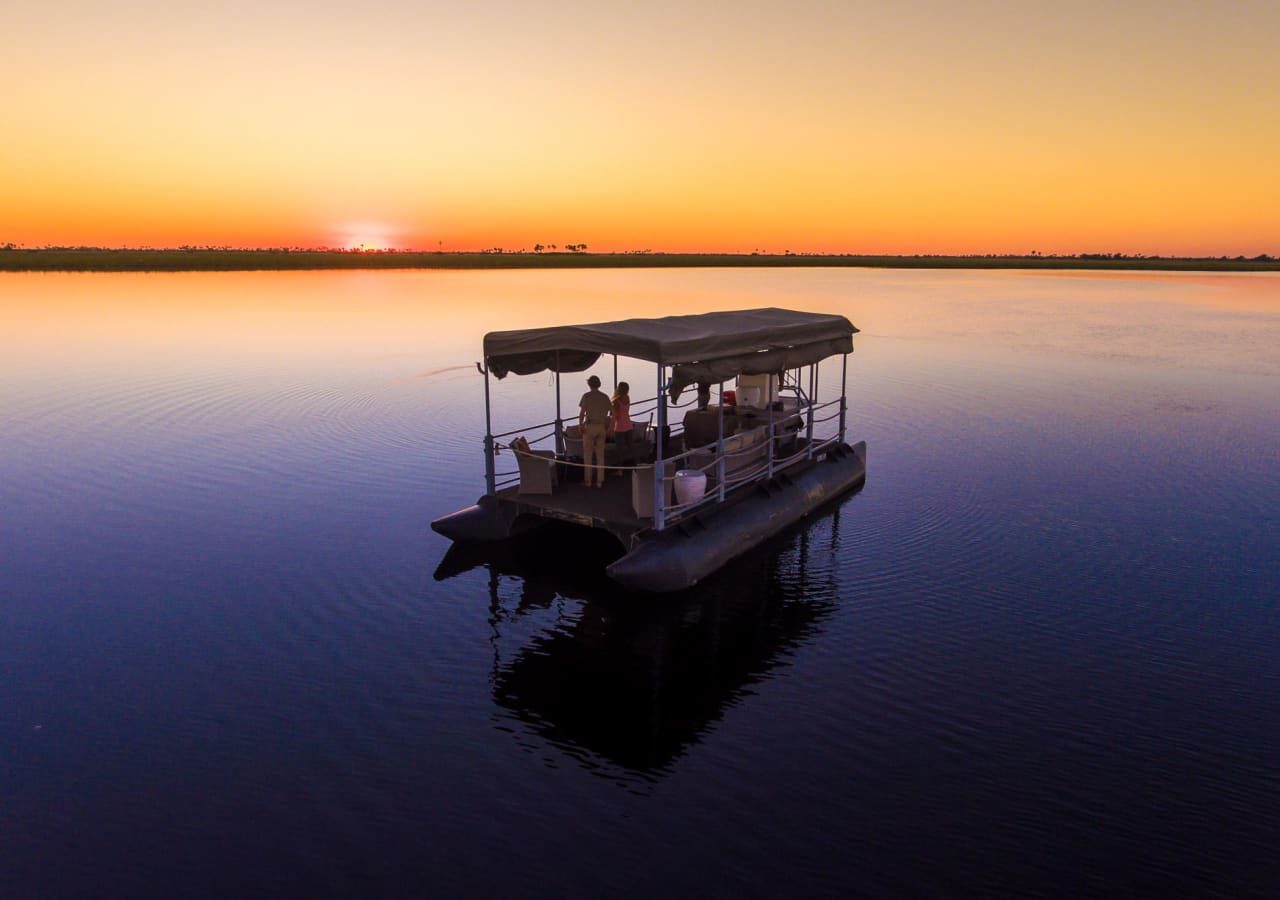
(490, 479)
(811, 399)
(720, 449)
(559, 420)
(844, 405)
(772, 438)
(659, 495)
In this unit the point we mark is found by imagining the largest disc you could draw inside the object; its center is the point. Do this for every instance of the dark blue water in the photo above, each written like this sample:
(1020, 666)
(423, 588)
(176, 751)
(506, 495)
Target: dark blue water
(1036, 653)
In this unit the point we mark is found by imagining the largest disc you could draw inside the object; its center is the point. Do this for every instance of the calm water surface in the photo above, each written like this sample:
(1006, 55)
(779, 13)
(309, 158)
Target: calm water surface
(1037, 652)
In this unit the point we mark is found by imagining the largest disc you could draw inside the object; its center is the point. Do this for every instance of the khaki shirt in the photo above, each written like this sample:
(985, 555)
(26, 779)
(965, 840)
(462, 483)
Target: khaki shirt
(596, 405)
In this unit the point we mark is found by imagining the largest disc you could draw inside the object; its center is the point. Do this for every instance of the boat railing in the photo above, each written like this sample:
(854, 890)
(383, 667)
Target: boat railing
(511, 477)
(524, 428)
(771, 465)
(645, 407)
(712, 459)
(648, 408)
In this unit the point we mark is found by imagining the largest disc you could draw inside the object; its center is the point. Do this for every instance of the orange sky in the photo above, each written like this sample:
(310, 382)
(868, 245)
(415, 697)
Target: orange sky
(812, 126)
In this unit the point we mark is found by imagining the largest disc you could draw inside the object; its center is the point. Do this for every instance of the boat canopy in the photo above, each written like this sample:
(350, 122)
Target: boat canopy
(709, 347)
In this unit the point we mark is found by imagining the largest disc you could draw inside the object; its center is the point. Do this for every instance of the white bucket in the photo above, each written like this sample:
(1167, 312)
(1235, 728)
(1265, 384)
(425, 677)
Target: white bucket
(690, 485)
(749, 395)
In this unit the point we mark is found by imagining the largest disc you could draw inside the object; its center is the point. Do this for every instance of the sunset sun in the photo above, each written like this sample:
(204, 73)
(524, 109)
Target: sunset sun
(367, 236)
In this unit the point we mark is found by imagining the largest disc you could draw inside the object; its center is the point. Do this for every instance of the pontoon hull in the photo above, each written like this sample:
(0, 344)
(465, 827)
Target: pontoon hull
(485, 520)
(690, 550)
(687, 553)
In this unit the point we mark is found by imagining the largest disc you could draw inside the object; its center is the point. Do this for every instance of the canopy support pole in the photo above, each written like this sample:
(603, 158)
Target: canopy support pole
(659, 495)
(490, 479)
(772, 437)
(844, 404)
(559, 420)
(808, 431)
(720, 449)
(615, 372)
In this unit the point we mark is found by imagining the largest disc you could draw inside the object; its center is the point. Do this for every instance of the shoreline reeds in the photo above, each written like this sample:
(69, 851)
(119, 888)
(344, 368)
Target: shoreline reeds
(93, 259)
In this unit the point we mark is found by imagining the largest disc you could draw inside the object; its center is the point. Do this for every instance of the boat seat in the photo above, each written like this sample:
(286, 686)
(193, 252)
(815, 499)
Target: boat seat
(745, 452)
(537, 468)
(702, 426)
(573, 442)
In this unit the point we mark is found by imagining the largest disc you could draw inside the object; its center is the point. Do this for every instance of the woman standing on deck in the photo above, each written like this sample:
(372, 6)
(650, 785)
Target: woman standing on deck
(593, 418)
(623, 431)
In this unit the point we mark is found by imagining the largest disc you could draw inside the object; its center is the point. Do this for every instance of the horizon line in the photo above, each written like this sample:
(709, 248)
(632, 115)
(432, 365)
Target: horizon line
(582, 251)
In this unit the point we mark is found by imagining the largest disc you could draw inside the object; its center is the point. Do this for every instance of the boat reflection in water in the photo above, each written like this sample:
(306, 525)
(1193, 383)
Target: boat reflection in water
(633, 681)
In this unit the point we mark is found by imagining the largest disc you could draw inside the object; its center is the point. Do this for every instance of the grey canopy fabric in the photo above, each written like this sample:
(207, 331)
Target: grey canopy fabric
(709, 347)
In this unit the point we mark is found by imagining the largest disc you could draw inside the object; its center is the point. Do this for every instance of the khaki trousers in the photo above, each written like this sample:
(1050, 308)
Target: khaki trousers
(593, 452)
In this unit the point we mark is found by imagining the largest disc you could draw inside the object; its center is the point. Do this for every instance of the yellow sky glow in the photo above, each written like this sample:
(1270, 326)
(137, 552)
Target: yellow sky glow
(813, 126)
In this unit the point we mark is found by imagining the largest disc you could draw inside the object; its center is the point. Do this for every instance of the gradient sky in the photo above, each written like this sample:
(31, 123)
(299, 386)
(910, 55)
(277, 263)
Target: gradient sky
(916, 126)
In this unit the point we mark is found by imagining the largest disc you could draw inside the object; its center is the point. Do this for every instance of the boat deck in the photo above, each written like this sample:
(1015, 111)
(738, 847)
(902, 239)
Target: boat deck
(608, 507)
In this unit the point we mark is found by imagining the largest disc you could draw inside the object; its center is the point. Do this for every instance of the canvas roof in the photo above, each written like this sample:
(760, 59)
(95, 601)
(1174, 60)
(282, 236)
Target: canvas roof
(708, 347)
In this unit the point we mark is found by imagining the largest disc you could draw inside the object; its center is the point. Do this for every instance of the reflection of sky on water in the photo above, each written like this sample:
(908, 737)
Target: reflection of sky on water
(1042, 634)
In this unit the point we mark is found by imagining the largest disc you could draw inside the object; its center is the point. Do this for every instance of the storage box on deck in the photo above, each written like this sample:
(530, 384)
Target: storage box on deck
(757, 390)
(642, 489)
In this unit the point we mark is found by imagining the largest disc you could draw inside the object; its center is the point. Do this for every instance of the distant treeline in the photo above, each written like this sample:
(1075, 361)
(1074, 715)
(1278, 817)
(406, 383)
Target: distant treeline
(203, 259)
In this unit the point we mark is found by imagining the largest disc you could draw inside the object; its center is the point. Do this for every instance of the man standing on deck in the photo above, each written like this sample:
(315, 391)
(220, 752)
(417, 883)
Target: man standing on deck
(593, 419)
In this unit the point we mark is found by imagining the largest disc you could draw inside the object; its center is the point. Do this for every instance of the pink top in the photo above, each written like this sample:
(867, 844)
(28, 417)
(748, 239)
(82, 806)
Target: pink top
(622, 414)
